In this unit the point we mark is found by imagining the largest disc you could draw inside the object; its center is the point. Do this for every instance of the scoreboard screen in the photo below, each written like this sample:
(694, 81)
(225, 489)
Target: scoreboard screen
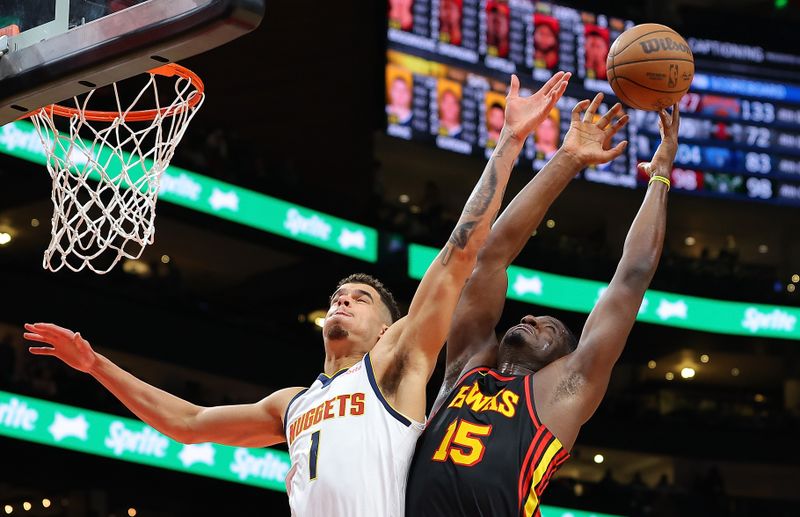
(449, 63)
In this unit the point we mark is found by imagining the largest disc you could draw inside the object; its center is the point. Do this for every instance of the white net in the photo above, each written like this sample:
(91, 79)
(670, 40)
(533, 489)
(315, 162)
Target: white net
(106, 173)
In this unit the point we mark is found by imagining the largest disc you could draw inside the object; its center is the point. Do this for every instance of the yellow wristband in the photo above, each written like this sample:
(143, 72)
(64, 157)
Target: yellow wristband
(662, 179)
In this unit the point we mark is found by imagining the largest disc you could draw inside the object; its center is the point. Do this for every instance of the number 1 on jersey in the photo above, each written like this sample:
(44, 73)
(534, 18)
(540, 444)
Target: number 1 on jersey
(312, 456)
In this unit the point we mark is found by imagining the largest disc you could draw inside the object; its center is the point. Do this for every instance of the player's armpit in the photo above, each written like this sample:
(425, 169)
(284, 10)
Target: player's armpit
(244, 425)
(603, 338)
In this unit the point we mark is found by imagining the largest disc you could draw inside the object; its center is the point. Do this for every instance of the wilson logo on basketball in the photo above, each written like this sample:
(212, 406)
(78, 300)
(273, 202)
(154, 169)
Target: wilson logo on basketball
(657, 44)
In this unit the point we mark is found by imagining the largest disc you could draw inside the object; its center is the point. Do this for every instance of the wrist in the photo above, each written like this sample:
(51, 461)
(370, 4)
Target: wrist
(573, 160)
(95, 365)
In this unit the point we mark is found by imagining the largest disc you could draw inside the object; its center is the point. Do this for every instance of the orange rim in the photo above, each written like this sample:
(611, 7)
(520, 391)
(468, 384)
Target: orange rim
(168, 70)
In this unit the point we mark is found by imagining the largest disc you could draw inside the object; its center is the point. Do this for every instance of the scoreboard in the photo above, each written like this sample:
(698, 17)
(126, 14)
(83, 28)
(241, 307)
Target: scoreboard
(449, 61)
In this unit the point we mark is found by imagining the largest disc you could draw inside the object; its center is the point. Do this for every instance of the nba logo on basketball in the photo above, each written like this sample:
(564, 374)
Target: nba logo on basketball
(672, 79)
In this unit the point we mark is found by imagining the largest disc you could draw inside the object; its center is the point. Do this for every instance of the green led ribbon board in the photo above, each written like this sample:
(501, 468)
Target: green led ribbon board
(67, 427)
(658, 307)
(240, 205)
(81, 430)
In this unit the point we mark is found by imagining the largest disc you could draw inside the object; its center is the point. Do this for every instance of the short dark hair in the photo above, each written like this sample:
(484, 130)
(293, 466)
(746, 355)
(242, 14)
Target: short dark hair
(385, 294)
(496, 105)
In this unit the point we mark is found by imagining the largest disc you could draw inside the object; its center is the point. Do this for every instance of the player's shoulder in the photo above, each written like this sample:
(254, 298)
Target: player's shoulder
(282, 399)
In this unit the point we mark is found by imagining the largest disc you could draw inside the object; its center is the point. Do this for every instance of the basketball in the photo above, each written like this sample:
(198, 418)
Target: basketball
(650, 67)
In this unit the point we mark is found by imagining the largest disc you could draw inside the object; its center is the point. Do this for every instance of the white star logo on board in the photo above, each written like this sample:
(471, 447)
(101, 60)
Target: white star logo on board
(220, 200)
(63, 427)
(197, 453)
(667, 310)
(524, 285)
(352, 239)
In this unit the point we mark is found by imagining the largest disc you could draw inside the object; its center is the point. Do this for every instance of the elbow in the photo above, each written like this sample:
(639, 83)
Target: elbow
(639, 272)
(185, 430)
(466, 242)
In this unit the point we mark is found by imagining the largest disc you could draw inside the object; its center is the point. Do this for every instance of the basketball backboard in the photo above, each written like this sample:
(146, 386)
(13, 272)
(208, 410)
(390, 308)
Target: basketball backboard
(51, 50)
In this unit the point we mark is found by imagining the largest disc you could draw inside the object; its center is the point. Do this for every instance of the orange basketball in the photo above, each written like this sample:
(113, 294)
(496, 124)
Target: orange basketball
(650, 67)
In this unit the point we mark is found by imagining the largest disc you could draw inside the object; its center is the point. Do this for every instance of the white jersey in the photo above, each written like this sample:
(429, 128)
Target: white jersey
(350, 449)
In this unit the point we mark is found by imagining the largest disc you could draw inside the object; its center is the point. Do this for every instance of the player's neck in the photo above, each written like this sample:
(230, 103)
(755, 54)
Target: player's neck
(335, 363)
(510, 368)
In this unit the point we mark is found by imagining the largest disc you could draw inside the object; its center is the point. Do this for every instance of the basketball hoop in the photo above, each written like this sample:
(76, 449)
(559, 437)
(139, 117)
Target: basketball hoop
(124, 152)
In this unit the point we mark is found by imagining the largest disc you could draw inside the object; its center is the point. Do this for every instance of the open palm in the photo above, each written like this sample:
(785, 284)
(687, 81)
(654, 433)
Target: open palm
(589, 140)
(68, 346)
(524, 114)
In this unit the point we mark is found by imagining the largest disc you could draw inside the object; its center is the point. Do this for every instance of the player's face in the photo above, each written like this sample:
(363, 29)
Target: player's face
(535, 342)
(498, 25)
(356, 311)
(450, 111)
(596, 50)
(495, 120)
(449, 15)
(546, 136)
(400, 94)
(544, 39)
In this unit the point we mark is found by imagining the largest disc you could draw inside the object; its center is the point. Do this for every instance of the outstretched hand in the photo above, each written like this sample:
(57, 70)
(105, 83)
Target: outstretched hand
(524, 114)
(590, 141)
(662, 161)
(68, 346)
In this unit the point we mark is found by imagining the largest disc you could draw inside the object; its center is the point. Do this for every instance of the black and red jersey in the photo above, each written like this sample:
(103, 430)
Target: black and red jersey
(485, 452)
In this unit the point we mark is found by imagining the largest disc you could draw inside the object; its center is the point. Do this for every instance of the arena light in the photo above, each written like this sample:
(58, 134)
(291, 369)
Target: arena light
(8, 509)
(651, 364)
(598, 458)
(688, 372)
(551, 223)
(131, 512)
(690, 241)
(46, 503)
(735, 372)
(5, 238)
(763, 249)
(669, 376)
(791, 288)
(404, 198)
(704, 358)
(165, 259)
(27, 506)
(35, 222)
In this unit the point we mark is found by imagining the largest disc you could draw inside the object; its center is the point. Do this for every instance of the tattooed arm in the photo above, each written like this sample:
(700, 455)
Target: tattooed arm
(406, 355)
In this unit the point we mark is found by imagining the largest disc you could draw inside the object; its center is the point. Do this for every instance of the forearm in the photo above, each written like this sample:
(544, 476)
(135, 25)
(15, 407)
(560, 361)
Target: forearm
(483, 204)
(166, 413)
(524, 214)
(645, 238)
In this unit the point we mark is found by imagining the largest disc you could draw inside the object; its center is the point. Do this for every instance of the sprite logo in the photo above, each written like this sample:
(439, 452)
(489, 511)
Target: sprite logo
(312, 226)
(755, 320)
(16, 414)
(266, 466)
(146, 442)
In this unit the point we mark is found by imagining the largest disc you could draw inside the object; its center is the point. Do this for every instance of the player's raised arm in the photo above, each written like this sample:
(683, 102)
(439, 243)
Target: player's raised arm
(609, 324)
(245, 425)
(431, 309)
(417, 339)
(588, 142)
